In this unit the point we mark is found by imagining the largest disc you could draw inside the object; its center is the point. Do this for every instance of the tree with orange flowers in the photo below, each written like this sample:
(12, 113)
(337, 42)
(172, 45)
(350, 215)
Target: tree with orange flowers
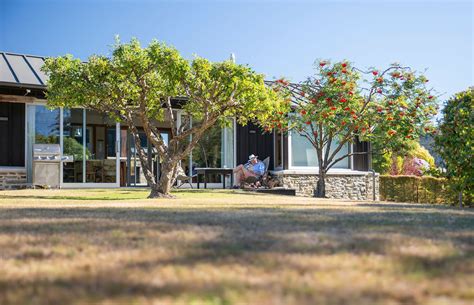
(341, 103)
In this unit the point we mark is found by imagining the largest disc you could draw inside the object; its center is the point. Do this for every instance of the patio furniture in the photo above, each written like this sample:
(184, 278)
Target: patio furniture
(183, 178)
(205, 171)
(263, 179)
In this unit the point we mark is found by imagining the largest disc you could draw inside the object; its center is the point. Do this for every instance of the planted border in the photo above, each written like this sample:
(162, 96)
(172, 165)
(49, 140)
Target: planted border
(416, 189)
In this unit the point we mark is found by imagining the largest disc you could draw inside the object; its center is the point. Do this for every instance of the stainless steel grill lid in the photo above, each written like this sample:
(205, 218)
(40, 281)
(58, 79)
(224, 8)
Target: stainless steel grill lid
(46, 152)
(46, 149)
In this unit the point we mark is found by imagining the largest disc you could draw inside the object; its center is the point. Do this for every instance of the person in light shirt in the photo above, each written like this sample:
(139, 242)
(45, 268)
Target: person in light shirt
(253, 168)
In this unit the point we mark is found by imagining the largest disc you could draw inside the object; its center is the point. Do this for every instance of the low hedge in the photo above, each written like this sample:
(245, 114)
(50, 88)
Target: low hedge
(417, 189)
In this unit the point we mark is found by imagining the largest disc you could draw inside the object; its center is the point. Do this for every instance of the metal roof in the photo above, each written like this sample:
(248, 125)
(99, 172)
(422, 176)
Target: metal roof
(19, 70)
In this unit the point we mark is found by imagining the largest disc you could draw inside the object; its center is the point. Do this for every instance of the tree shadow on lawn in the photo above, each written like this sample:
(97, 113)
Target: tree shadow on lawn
(102, 287)
(244, 235)
(253, 221)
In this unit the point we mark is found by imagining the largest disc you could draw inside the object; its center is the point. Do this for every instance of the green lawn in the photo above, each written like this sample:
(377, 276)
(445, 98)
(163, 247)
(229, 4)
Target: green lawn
(220, 247)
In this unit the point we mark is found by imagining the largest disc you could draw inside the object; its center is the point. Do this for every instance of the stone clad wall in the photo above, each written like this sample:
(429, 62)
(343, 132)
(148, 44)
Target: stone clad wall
(339, 186)
(12, 179)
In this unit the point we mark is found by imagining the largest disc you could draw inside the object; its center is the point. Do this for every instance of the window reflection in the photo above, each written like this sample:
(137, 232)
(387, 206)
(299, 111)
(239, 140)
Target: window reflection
(344, 163)
(90, 151)
(100, 167)
(73, 147)
(207, 152)
(302, 151)
(304, 154)
(46, 125)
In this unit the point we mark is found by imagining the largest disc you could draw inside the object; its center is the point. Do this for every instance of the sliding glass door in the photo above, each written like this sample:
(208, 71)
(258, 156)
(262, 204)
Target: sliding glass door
(215, 149)
(43, 127)
(89, 148)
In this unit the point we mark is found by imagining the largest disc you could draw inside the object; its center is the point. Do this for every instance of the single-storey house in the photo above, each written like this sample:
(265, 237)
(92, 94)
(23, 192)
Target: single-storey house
(96, 151)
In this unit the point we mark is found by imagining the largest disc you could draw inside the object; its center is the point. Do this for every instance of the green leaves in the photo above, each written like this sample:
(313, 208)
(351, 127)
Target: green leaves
(455, 142)
(137, 85)
(138, 82)
(229, 90)
(386, 107)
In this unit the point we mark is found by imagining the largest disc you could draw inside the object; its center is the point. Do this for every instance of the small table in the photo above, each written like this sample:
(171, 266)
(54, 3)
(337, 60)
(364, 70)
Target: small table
(208, 170)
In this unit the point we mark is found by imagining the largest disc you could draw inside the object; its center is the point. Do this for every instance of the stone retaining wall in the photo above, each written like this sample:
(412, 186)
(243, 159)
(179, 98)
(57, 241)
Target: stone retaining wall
(357, 186)
(13, 179)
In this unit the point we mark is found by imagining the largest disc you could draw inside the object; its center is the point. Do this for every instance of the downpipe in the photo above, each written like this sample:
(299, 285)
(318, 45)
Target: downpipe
(373, 184)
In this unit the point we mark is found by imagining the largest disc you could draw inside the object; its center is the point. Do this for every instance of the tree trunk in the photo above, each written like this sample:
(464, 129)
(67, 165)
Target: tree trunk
(162, 189)
(321, 185)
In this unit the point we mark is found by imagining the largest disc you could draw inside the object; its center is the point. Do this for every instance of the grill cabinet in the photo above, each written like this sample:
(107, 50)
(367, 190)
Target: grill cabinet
(46, 165)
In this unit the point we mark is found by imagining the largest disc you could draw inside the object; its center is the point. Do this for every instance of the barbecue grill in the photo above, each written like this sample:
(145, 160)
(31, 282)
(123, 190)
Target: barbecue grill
(46, 165)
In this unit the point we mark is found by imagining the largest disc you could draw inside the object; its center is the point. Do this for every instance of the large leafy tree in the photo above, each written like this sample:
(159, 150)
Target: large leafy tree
(455, 142)
(137, 86)
(341, 103)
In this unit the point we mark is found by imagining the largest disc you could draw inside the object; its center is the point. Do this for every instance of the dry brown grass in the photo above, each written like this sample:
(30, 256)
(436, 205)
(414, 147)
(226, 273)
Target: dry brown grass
(114, 246)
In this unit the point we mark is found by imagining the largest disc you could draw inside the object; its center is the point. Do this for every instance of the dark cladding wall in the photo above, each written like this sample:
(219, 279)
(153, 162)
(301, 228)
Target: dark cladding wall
(12, 134)
(362, 161)
(251, 140)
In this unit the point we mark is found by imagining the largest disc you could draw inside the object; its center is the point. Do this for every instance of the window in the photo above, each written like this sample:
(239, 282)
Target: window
(46, 125)
(99, 167)
(89, 144)
(303, 153)
(227, 148)
(344, 163)
(215, 149)
(73, 145)
(207, 152)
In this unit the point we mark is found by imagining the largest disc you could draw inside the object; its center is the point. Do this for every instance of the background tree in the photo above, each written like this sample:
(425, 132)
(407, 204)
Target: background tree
(137, 85)
(393, 162)
(341, 103)
(455, 143)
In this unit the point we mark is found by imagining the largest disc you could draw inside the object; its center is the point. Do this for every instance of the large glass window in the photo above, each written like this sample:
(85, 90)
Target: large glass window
(46, 125)
(304, 154)
(227, 151)
(73, 145)
(89, 147)
(344, 163)
(207, 152)
(302, 151)
(215, 149)
(100, 165)
(43, 127)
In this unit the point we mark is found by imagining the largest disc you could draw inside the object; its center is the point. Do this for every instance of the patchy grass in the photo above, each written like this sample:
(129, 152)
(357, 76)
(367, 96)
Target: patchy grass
(222, 247)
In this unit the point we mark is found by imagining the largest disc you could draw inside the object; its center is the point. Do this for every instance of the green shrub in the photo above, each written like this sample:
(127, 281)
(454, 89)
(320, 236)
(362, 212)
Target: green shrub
(455, 143)
(417, 189)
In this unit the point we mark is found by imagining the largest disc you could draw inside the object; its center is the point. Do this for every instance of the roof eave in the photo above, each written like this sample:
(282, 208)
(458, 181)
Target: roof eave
(22, 85)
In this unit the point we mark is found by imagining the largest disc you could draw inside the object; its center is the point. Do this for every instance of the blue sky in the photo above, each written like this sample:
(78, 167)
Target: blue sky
(277, 38)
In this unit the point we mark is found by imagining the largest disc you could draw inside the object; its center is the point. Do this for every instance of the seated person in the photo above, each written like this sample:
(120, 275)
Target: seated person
(253, 168)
